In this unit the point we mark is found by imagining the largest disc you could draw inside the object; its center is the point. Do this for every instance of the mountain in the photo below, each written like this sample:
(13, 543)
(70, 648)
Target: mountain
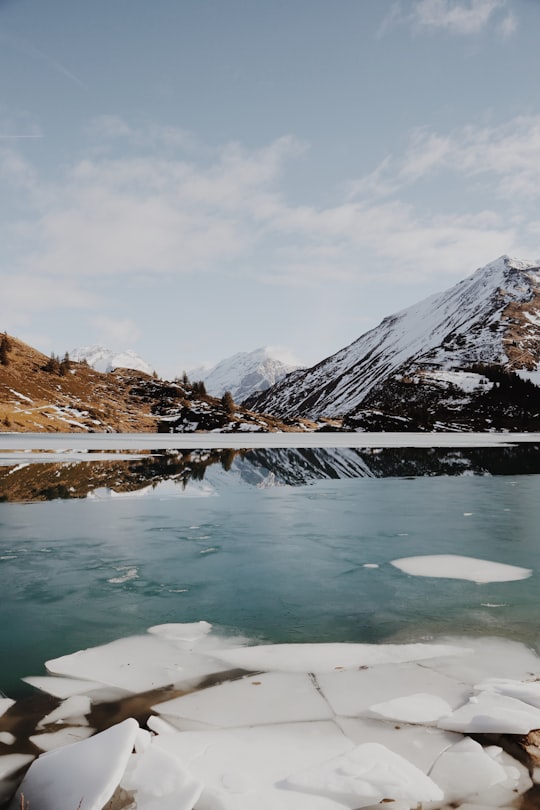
(40, 393)
(106, 360)
(460, 359)
(244, 373)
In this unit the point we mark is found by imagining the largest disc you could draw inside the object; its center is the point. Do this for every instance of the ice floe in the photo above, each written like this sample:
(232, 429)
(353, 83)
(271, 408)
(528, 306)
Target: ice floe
(304, 727)
(83, 775)
(453, 566)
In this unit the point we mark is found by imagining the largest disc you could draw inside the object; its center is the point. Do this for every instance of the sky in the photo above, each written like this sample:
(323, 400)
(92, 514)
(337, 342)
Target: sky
(195, 178)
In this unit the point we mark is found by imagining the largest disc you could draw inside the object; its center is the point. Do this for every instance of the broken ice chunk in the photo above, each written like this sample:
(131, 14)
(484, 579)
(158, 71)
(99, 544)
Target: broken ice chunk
(274, 697)
(73, 710)
(466, 769)
(56, 739)
(419, 708)
(489, 712)
(83, 775)
(160, 782)
(366, 775)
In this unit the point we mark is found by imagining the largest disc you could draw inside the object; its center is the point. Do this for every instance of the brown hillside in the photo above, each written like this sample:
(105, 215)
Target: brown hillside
(79, 399)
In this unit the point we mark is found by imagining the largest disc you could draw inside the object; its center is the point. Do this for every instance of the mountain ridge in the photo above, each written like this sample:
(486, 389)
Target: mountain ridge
(490, 318)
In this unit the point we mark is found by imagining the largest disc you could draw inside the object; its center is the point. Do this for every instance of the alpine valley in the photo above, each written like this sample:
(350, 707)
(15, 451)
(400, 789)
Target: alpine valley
(465, 359)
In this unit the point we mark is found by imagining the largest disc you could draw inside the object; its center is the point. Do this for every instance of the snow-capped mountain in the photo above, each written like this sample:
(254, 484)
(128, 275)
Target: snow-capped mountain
(244, 373)
(492, 318)
(102, 359)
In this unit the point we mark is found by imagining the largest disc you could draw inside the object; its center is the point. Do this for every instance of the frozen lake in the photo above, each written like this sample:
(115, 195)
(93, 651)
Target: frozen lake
(282, 545)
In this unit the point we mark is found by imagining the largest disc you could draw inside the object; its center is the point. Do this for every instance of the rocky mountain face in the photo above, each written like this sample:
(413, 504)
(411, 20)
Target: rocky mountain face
(105, 360)
(463, 359)
(38, 393)
(243, 374)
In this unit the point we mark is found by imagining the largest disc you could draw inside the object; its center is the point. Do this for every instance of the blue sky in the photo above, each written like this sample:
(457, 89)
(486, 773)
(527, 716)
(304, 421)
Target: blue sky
(193, 178)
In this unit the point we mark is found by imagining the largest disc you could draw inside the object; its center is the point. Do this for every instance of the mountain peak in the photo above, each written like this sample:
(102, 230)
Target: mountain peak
(105, 360)
(246, 373)
(491, 317)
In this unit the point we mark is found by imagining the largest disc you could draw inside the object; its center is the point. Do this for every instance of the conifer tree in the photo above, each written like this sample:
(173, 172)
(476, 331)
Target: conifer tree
(4, 352)
(228, 402)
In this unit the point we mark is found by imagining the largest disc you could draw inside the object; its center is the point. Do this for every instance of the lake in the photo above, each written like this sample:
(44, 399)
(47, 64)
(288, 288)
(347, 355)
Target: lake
(276, 543)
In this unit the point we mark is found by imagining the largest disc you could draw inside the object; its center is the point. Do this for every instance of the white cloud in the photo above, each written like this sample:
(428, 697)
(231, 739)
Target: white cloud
(504, 158)
(155, 214)
(453, 16)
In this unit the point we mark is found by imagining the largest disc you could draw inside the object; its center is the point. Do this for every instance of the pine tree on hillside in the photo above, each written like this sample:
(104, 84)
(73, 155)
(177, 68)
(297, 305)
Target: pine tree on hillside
(52, 365)
(4, 351)
(228, 402)
(64, 366)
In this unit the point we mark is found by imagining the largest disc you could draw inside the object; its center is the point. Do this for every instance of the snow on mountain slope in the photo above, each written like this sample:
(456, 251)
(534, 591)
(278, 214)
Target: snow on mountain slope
(244, 373)
(493, 316)
(102, 359)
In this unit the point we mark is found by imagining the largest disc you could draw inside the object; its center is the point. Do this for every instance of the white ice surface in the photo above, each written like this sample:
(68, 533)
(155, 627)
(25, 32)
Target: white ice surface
(7, 738)
(329, 657)
(274, 697)
(5, 704)
(489, 658)
(160, 782)
(73, 709)
(466, 769)
(56, 739)
(452, 566)
(366, 775)
(354, 692)
(137, 664)
(11, 763)
(241, 768)
(527, 692)
(490, 712)
(421, 745)
(418, 708)
(83, 775)
(66, 687)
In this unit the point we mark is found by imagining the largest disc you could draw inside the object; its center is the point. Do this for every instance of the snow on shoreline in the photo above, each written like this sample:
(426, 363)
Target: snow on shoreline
(299, 727)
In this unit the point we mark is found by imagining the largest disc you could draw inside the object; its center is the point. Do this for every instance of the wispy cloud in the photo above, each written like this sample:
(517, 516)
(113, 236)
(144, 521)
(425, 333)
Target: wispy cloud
(453, 16)
(504, 158)
(107, 219)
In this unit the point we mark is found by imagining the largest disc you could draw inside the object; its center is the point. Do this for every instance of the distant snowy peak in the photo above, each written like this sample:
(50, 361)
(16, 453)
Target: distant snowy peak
(493, 316)
(105, 360)
(245, 373)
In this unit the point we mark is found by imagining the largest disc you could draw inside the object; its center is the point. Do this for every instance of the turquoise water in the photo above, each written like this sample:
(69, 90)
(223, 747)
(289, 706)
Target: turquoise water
(276, 548)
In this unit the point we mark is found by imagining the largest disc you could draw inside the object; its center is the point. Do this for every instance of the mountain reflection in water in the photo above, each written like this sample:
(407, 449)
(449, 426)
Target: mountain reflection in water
(43, 481)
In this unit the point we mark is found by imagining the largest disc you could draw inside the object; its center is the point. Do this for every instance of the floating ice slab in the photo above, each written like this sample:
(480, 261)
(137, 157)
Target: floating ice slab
(137, 664)
(83, 775)
(74, 709)
(56, 739)
(527, 692)
(7, 738)
(329, 657)
(11, 763)
(241, 768)
(452, 566)
(5, 704)
(418, 708)
(354, 692)
(274, 697)
(466, 769)
(62, 687)
(489, 712)
(160, 782)
(516, 783)
(181, 632)
(366, 775)
(489, 658)
(419, 744)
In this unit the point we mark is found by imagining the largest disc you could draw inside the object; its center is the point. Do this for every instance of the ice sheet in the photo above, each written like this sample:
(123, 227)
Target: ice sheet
(366, 775)
(56, 739)
(489, 712)
(453, 566)
(273, 697)
(330, 657)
